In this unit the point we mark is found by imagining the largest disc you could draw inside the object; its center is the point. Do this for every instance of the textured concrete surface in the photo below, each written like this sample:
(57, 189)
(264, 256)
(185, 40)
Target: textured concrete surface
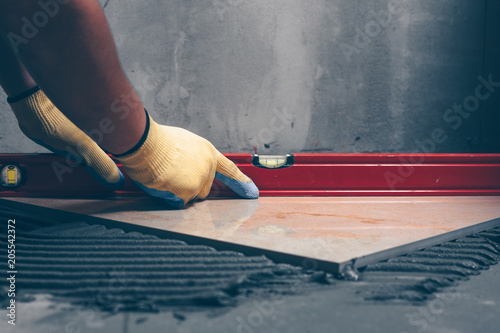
(452, 287)
(311, 76)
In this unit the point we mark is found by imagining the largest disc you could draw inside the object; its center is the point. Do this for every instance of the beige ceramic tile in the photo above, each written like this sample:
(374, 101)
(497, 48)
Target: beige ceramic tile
(332, 229)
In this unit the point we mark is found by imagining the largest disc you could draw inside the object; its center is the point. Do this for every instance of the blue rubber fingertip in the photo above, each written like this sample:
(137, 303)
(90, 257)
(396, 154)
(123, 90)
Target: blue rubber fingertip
(245, 190)
(171, 199)
(114, 186)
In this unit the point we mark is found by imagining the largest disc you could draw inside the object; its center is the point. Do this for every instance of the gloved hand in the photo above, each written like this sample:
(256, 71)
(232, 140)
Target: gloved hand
(179, 166)
(42, 122)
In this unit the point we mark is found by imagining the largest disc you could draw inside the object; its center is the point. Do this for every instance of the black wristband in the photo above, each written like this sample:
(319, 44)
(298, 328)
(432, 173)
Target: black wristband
(141, 141)
(25, 94)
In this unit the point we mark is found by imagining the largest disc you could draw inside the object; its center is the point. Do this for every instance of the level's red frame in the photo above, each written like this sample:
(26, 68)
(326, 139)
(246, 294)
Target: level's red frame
(310, 175)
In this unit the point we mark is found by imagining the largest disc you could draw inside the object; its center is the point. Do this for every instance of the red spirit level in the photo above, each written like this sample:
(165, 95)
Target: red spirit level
(48, 175)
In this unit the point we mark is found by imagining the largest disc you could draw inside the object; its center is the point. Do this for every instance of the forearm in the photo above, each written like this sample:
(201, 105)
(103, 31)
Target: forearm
(14, 78)
(73, 58)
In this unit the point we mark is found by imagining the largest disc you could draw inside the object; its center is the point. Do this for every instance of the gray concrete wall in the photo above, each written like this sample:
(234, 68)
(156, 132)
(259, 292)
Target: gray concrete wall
(339, 76)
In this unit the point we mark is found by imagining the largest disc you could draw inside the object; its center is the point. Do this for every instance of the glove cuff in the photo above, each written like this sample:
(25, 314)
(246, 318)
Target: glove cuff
(25, 94)
(150, 157)
(141, 141)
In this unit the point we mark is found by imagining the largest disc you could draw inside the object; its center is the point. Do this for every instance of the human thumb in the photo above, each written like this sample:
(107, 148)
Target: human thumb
(228, 173)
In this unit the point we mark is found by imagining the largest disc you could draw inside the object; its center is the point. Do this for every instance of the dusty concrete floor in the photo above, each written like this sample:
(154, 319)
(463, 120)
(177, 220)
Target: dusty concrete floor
(468, 303)
(472, 306)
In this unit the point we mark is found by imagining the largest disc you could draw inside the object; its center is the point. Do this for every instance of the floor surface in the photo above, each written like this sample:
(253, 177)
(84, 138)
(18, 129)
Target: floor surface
(449, 288)
(330, 229)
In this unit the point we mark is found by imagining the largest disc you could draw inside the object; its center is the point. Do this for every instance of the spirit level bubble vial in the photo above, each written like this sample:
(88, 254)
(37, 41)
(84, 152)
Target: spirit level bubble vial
(273, 161)
(11, 176)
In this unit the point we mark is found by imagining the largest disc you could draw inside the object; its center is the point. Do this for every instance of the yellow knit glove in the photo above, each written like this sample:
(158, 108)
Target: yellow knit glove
(42, 122)
(179, 166)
